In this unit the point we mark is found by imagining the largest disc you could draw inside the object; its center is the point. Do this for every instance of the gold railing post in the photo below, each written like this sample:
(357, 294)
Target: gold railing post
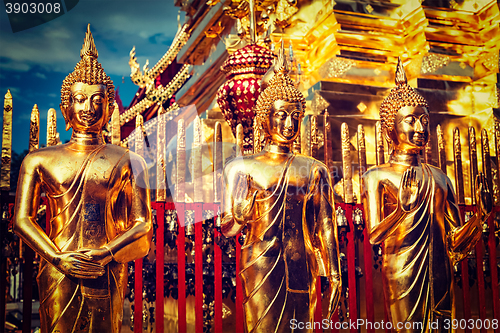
(6, 143)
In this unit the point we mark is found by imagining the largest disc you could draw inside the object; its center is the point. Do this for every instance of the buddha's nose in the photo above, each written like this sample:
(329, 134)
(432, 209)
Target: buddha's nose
(418, 126)
(288, 122)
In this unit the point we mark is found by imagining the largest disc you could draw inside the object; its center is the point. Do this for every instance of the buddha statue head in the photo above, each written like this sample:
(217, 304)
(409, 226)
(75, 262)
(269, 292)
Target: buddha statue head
(404, 116)
(279, 108)
(87, 94)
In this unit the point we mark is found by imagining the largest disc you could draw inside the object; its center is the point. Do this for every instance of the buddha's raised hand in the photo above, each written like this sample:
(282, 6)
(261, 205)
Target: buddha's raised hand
(408, 189)
(243, 200)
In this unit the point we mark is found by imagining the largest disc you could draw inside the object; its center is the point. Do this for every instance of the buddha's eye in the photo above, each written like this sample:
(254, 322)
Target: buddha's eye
(410, 120)
(296, 115)
(97, 99)
(79, 98)
(425, 120)
(281, 114)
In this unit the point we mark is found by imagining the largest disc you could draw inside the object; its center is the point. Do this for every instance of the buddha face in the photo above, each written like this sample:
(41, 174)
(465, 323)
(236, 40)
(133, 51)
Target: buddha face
(88, 107)
(284, 121)
(411, 128)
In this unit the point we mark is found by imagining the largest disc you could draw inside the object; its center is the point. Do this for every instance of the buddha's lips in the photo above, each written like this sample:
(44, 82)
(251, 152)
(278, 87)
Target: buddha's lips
(419, 138)
(87, 115)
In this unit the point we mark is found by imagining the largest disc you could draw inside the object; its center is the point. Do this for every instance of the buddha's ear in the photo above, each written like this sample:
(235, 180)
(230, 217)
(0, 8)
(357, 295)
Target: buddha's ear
(390, 137)
(64, 112)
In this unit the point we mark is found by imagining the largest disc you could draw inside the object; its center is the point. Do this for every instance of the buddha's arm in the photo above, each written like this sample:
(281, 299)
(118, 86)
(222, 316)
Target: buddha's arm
(135, 242)
(372, 197)
(461, 240)
(326, 234)
(27, 202)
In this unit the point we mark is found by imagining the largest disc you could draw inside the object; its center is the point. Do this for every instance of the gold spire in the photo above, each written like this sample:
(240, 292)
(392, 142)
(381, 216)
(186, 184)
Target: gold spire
(6, 142)
(400, 73)
(281, 64)
(34, 142)
(88, 47)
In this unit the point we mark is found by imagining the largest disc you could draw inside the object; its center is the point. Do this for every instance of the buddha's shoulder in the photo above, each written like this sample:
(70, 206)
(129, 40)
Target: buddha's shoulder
(378, 170)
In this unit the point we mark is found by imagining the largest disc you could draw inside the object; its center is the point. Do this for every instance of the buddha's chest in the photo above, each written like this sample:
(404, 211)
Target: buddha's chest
(77, 173)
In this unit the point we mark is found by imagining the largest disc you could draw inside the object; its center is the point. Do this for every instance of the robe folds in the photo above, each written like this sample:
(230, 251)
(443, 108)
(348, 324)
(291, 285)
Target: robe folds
(418, 257)
(284, 252)
(90, 212)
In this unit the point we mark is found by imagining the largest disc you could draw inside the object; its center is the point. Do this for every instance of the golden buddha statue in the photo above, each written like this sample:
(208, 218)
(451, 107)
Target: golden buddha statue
(286, 202)
(411, 209)
(100, 209)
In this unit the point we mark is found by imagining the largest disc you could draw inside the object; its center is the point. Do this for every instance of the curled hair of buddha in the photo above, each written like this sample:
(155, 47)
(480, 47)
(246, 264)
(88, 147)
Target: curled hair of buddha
(280, 87)
(400, 96)
(88, 70)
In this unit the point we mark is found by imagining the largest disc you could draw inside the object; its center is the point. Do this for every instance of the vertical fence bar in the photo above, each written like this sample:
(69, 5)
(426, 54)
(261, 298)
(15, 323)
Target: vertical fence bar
(485, 149)
(217, 163)
(457, 155)
(5, 164)
(491, 239)
(198, 220)
(351, 241)
(441, 151)
(139, 123)
(180, 206)
(479, 245)
(51, 128)
(379, 137)
(367, 249)
(161, 197)
(379, 150)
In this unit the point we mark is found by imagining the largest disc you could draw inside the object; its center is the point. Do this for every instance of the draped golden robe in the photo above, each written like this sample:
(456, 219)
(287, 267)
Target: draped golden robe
(291, 239)
(101, 202)
(419, 254)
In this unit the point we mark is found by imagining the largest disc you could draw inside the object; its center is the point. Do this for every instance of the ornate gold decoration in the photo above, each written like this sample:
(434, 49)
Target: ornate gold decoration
(6, 142)
(88, 183)
(197, 159)
(431, 62)
(336, 67)
(473, 162)
(379, 143)
(115, 126)
(441, 150)
(51, 127)
(157, 95)
(148, 75)
(180, 187)
(361, 154)
(459, 176)
(218, 162)
(347, 164)
(34, 129)
(161, 130)
(318, 103)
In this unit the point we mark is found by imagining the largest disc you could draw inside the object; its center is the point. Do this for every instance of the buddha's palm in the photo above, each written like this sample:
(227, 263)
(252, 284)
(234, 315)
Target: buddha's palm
(484, 201)
(243, 199)
(408, 189)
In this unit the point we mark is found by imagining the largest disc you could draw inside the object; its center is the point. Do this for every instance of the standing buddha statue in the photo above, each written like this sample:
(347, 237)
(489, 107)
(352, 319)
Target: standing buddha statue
(286, 202)
(412, 211)
(100, 209)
